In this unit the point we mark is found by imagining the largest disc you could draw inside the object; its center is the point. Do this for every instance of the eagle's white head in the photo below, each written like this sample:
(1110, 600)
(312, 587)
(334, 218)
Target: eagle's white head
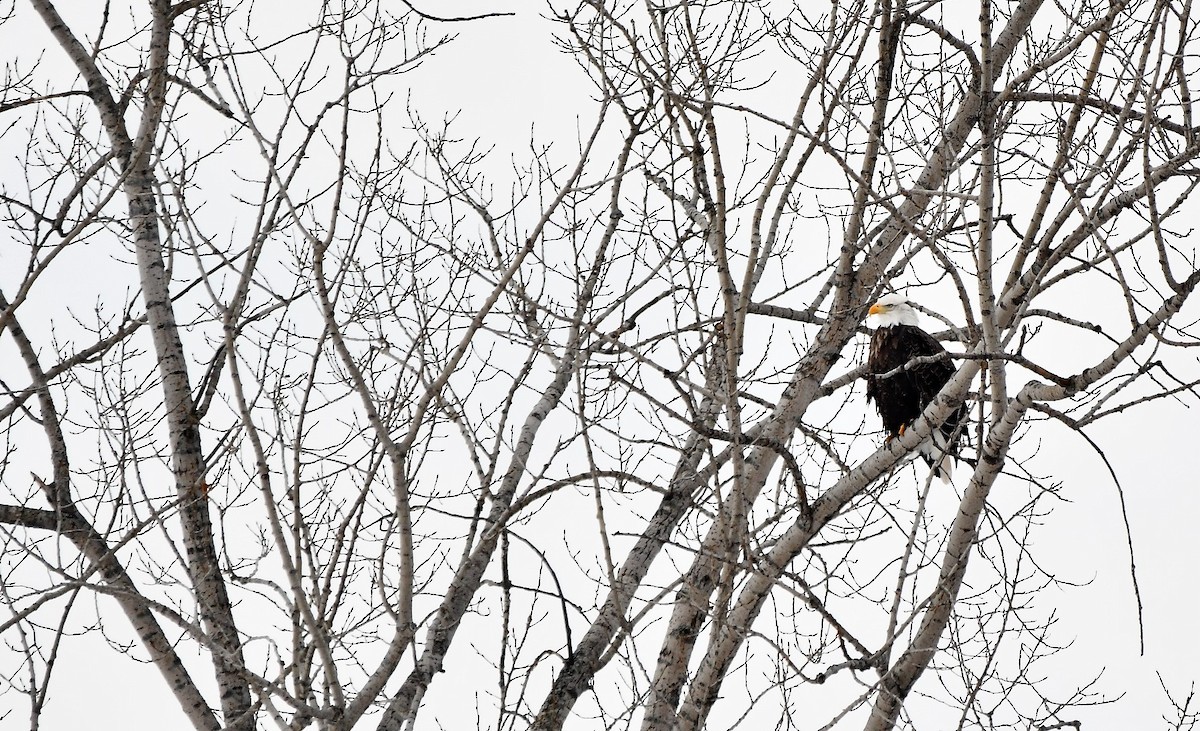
(892, 309)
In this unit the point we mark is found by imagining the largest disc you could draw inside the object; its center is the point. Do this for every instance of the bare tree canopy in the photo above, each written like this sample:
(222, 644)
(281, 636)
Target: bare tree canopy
(335, 395)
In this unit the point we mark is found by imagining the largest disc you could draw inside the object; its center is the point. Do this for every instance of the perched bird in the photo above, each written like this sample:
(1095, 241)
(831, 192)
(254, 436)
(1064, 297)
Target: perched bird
(902, 396)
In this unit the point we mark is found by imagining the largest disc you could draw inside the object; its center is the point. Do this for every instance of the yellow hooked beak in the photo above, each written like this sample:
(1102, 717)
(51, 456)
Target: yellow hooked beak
(877, 309)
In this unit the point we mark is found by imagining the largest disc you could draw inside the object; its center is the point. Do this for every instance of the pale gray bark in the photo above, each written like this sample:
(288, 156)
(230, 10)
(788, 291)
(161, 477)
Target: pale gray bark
(66, 520)
(134, 152)
(461, 592)
(692, 605)
(572, 419)
(902, 675)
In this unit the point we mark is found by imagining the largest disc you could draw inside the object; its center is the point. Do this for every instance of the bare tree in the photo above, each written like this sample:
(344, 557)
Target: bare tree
(313, 387)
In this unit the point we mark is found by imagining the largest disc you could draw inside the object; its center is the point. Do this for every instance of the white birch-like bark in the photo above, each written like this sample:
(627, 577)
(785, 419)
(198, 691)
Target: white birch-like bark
(187, 456)
(399, 304)
(690, 607)
(900, 678)
(403, 708)
(66, 519)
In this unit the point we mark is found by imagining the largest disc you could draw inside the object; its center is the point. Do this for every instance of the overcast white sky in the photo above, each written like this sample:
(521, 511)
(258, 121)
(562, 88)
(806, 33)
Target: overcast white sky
(502, 78)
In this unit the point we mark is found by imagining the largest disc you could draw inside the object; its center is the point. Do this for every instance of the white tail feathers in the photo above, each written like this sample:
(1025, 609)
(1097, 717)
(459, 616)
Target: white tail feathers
(945, 469)
(935, 454)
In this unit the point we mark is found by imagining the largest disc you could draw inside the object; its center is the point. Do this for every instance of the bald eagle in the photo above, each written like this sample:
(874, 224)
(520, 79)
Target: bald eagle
(902, 396)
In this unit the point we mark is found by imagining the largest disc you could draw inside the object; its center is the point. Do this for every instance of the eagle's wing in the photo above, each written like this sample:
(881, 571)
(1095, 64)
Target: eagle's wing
(929, 378)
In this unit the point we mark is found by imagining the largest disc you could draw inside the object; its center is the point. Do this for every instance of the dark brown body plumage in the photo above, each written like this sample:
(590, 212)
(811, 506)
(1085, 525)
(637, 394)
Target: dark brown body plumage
(902, 397)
